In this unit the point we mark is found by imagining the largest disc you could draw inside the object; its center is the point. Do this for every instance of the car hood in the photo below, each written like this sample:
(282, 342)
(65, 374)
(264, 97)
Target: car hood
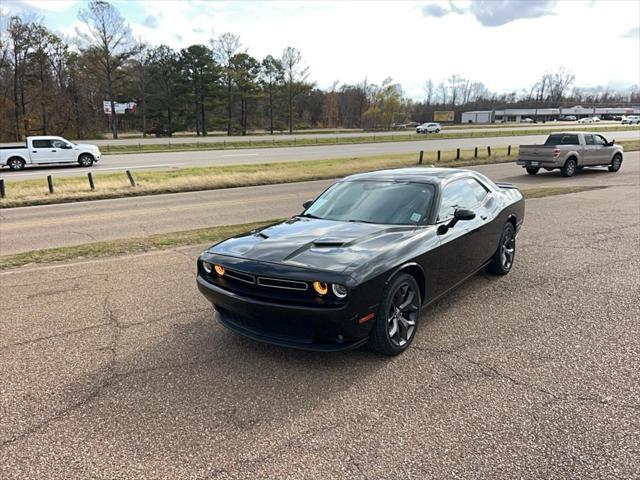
(85, 146)
(316, 244)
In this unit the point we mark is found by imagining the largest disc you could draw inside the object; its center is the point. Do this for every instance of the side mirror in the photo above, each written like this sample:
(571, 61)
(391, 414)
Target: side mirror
(307, 204)
(464, 214)
(460, 214)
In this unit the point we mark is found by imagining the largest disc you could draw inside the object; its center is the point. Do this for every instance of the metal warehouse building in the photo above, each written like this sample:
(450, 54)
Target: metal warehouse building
(543, 114)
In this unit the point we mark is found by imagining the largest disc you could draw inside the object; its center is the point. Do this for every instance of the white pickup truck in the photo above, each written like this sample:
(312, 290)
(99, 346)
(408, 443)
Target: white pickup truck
(48, 150)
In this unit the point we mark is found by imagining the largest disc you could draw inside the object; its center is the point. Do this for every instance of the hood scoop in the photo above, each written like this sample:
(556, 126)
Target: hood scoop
(329, 243)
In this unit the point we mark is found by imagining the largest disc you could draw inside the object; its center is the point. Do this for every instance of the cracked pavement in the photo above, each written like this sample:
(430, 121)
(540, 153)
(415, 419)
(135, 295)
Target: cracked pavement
(115, 368)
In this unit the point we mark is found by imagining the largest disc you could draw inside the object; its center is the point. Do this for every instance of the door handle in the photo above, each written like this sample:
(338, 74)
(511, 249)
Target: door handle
(483, 217)
(53, 151)
(34, 151)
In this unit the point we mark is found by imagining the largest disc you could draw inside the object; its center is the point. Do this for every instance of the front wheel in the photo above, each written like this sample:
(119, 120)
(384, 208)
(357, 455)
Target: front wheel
(85, 160)
(570, 168)
(502, 260)
(616, 163)
(397, 316)
(533, 170)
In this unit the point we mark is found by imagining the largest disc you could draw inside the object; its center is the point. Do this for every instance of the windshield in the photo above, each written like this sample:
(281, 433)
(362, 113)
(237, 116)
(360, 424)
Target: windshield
(390, 203)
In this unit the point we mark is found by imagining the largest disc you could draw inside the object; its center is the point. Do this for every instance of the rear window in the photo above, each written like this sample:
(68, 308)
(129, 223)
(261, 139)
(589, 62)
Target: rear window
(562, 139)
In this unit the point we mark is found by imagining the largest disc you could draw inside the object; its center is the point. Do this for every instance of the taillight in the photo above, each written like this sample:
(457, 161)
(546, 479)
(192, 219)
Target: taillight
(556, 152)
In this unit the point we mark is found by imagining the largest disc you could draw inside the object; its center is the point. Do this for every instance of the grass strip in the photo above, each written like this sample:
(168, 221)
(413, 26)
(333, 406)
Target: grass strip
(21, 193)
(200, 236)
(323, 139)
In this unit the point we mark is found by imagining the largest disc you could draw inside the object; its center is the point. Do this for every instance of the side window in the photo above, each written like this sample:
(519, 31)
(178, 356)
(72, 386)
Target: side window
(588, 139)
(42, 144)
(466, 193)
(58, 144)
(599, 140)
(570, 140)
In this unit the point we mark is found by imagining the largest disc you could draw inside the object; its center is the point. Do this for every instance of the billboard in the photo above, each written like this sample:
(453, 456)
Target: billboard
(443, 116)
(121, 108)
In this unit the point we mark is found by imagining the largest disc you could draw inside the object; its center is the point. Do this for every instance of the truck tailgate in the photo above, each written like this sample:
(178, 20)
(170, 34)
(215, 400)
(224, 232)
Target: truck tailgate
(536, 152)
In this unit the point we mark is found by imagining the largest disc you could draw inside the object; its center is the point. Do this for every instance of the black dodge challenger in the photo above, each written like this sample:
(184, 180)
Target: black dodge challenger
(360, 262)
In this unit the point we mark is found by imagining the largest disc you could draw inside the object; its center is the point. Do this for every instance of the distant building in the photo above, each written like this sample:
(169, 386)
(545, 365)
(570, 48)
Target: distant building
(544, 114)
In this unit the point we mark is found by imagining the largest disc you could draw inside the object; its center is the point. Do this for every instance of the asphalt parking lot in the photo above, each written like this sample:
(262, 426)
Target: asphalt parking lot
(116, 369)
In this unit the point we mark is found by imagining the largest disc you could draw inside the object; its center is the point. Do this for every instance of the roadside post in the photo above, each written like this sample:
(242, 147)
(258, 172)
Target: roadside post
(50, 183)
(509, 151)
(2, 192)
(457, 154)
(421, 157)
(475, 152)
(438, 155)
(488, 151)
(131, 180)
(91, 184)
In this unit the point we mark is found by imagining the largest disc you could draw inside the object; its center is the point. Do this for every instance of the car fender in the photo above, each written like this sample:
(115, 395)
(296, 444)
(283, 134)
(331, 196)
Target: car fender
(25, 158)
(409, 265)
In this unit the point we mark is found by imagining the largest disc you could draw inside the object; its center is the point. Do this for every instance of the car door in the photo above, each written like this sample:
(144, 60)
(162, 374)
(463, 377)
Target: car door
(603, 152)
(589, 153)
(41, 151)
(62, 151)
(462, 248)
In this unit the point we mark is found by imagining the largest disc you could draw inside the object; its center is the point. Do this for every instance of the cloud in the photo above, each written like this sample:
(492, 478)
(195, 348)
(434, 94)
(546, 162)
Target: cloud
(632, 33)
(434, 10)
(150, 21)
(493, 13)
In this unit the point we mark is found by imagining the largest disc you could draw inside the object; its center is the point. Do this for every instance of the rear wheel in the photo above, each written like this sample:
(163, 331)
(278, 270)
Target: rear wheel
(85, 160)
(616, 163)
(397, 316)
(570, 168)
(16, 163)
(502, 260)
(533, 170)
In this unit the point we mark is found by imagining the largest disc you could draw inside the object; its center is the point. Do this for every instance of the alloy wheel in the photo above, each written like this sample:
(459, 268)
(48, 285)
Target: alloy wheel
(403, 314)
(508, 249)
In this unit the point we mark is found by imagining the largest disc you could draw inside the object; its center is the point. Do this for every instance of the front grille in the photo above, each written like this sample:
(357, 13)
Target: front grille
(240, 276)
(280, 283)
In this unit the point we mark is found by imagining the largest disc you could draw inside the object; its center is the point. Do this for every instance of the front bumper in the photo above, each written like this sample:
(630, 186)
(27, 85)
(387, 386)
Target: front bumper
(302, 327)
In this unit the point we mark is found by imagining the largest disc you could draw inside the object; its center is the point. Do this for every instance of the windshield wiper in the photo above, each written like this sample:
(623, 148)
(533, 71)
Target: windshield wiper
(309, 215)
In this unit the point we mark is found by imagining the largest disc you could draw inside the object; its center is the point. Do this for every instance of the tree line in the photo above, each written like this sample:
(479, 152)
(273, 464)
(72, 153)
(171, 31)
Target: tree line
(56, 86)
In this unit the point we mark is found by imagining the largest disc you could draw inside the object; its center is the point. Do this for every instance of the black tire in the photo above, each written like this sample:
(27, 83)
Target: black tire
(85, 160)
(16, 163)
(391, 315)
(503, 259)
(616, 163)
(533, 170)
(570, 168)
(437, 130)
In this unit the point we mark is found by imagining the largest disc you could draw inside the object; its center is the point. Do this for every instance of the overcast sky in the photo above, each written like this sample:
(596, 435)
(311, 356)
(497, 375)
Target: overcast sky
(507, 44)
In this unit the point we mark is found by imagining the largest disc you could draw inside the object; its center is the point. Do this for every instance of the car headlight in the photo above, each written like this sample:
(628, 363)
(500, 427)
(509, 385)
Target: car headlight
(207, 267)
(219, 269)
(321, 288)
(339, 291)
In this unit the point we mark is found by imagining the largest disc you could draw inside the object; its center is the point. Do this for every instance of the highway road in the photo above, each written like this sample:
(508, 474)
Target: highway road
(170, 160)
(48, 226)
(116, 369)
(219, 137)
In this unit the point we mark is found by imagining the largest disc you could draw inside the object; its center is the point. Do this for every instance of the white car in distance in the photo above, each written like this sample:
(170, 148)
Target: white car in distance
(429, 127)
(45, 150)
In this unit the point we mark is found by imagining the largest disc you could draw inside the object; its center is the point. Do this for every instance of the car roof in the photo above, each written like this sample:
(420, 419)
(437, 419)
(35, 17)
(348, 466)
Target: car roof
(412, 174)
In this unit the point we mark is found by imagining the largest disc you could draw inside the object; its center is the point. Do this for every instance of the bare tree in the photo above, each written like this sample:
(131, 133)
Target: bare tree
(110, 43)
(224, 49)
(428, 91)
(295, 74)
(559, 83)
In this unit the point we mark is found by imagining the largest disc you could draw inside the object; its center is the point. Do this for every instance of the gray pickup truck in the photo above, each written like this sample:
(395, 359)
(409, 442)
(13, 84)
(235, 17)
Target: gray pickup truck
(570, 152)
